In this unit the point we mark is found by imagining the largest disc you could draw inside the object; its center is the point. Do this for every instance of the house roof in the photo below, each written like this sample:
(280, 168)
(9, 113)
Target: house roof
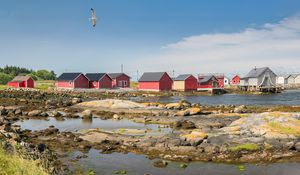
(115, 75)
(206, 78)
(20, 78)
(182, 77)
(284, 76)
(151, 76)
(256, 72)
(68, 76)
(95, 76)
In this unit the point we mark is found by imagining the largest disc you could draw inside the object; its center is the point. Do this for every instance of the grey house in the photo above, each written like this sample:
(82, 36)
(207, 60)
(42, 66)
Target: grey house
(259, 79)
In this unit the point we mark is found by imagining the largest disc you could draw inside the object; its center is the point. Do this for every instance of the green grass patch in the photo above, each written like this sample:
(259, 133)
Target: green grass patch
(246, 147)
(12, 164)
(3, 87)
(44, 84)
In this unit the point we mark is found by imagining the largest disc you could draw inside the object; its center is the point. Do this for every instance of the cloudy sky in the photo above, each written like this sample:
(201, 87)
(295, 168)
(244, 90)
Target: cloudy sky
(187, 36)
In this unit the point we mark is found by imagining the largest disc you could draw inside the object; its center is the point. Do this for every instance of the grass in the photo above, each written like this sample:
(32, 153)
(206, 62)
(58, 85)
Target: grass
(12, 164)
(246, 147)
(134, 84)
(44, 84)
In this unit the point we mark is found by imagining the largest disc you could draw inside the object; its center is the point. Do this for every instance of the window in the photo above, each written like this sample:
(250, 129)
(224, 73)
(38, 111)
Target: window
(95, 83)
(70, 82)
(125, 83)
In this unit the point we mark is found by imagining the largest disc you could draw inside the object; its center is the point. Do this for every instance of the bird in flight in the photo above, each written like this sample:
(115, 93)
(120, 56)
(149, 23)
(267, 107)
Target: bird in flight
(93, 18)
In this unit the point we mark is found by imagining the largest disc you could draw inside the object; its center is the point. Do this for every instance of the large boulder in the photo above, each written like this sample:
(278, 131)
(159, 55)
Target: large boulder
(34, 113)
(194, 111)
(87, 114)
(183, 124)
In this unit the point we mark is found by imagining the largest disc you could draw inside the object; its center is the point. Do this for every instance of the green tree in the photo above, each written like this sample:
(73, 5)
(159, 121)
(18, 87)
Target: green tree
(5, 78)
(45, 75)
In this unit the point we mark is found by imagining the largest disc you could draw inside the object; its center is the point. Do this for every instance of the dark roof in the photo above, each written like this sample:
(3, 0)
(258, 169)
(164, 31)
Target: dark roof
(151, 76)
(68, 76)
(20, 78)
(256, 72)
(206, 78)
(95, 76)
(115, 75)
(182, 77)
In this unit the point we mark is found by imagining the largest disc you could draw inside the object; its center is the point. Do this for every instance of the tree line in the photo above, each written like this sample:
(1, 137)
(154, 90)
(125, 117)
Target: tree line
(7, 73)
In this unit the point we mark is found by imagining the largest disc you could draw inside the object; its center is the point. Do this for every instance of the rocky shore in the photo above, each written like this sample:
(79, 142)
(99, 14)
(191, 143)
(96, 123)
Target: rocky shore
(223, 133)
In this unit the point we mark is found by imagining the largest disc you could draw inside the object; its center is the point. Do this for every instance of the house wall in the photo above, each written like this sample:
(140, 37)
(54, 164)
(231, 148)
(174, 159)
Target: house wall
(280, 80)
(29, 83)
(65, 84)
(120, 81)
(13, 84)
(243, 82)
(253, 82)
(81, 82)
(236, 80)
(179, 85)
(291, 80)
(297, 79)
(226, 81)
(149, 86)
(165, 83)
(220, 82)
(191, 83)
(105, 82)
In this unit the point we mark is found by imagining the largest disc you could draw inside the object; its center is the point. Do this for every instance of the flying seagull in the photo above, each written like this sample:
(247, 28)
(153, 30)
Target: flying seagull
(93, 18)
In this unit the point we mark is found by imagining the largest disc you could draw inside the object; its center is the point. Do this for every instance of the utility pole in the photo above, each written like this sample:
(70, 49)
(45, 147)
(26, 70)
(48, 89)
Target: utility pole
(173, 73)
(121, 68)
(137, 75)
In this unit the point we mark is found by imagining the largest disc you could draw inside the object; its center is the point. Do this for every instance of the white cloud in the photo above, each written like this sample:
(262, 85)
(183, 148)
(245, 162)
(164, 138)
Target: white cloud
(276, 45)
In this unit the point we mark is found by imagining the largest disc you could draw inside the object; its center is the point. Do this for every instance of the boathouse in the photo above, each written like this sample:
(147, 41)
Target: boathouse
(120, 80)
(99, 80)
(236, 80)
(207, 82)
(72, 81)
(185, 82)
(22, 81)
(259, 79)
(155, 81)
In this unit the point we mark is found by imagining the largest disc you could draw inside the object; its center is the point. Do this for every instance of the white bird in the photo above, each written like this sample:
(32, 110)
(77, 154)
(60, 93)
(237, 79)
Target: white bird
(93, 18)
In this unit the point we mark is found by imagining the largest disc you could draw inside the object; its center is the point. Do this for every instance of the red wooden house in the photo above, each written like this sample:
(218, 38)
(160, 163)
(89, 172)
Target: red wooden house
(120, 80)
(22, 81)
(208, 82)
(99, 80)
(185, 82)
(218, 76)
(72, 81)
(236, 80)
(155, 81)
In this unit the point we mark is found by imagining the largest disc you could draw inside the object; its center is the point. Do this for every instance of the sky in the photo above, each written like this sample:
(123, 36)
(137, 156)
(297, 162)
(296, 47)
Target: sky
(177, 36)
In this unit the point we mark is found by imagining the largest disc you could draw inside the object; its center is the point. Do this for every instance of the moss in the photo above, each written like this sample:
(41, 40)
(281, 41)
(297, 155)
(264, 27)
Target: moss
(267, 146)
(247, 147)
(12, 164)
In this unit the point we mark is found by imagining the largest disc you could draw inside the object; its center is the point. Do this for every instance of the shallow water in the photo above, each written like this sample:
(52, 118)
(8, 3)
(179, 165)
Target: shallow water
(75, 125)
(290, 97)
(105, 164)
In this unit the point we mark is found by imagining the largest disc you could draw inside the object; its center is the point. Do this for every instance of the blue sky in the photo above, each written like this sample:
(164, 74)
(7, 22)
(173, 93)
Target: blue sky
(57, 35)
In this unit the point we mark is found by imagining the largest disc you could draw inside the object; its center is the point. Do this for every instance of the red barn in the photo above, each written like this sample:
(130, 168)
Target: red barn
(185, 82)
(120, 80)
(72, 81)
(22, 81)
(155, 81)
(236, 80)
(207, 82)
(99, 80)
